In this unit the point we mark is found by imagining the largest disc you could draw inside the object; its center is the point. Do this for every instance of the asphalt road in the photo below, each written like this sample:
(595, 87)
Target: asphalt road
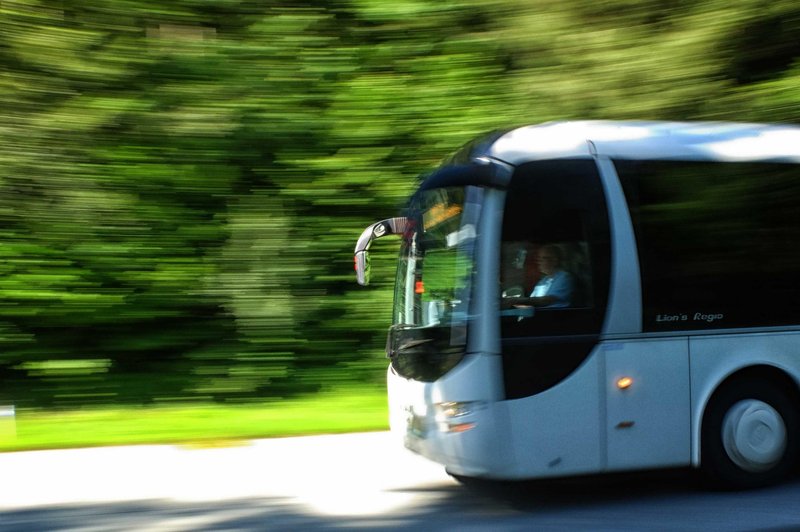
(345, 482)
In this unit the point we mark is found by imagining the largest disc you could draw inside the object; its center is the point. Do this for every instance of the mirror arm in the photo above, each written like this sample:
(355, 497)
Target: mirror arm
(390, 226)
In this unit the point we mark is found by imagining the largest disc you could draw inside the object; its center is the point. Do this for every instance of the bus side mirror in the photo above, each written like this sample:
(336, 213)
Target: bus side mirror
(390, 226)
(362, 267)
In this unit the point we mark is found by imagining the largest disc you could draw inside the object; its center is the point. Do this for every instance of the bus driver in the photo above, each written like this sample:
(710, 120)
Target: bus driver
(555, 289)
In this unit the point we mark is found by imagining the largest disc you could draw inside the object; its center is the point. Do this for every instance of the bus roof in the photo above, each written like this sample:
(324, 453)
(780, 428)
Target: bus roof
(711, 141)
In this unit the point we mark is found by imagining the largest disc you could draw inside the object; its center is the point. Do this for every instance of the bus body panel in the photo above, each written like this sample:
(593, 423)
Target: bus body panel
(713, 358)
(624, 298)
(647, 403)
(710, 141)
(559, 432)
(415, 417)
(485, 336)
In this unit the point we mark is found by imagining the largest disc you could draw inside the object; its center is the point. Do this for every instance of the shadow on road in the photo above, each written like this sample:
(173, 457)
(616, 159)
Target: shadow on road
(669, 500)
(601, 489)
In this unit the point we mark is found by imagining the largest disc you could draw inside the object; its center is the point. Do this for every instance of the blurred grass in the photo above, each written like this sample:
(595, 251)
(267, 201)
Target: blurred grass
(197, 424)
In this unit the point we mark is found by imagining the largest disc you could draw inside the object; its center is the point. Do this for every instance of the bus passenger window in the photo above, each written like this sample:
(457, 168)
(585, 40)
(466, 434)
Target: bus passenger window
(716, 242)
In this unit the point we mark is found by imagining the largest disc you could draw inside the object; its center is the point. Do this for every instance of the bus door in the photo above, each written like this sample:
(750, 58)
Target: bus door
(554, 283)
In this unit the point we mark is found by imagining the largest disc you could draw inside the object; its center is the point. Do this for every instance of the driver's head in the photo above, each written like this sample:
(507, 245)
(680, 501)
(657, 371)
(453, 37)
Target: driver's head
(549, 259)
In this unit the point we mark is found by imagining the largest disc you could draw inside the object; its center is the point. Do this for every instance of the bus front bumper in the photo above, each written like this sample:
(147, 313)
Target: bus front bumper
(462, 436)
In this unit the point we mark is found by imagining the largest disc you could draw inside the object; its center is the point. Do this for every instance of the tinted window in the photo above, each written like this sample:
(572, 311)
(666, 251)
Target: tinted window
(718, 242)
(554, 272)
(555, 225)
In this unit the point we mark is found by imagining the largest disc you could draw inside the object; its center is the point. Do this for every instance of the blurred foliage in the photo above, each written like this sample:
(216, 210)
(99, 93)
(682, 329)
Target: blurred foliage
(182, 183)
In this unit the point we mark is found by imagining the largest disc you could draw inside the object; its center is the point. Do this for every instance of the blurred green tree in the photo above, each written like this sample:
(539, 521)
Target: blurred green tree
(181, 185)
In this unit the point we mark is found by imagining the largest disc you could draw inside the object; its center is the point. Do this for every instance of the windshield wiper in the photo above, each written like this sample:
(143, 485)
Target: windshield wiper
(413, 343)
(394, 348)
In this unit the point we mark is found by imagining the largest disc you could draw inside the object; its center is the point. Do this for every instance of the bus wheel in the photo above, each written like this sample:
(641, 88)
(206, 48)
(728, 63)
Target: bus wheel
(749, 435)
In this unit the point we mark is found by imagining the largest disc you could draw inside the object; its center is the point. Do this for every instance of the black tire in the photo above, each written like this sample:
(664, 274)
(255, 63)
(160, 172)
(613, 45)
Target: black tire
(464, 480)
(474, 483)
(749, 435)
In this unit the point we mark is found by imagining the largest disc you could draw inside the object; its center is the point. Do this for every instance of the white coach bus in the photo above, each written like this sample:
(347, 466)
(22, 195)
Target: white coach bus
(585, 297)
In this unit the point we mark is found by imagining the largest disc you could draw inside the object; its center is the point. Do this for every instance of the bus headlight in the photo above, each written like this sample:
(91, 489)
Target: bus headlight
(450, 415)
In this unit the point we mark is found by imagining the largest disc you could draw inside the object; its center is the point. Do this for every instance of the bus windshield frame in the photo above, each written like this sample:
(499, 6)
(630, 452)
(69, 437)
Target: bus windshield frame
(435, 275)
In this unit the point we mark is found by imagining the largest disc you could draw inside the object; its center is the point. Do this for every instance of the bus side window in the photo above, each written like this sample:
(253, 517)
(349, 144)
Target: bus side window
(577, 263)
(554, 224)
(555, 218)
(716, 242)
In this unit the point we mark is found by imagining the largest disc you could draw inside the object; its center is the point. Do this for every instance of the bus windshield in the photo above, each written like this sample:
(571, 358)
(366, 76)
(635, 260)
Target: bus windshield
(434, 277)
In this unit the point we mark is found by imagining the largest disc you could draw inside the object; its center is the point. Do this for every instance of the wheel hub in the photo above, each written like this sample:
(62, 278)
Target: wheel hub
(754, 435)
